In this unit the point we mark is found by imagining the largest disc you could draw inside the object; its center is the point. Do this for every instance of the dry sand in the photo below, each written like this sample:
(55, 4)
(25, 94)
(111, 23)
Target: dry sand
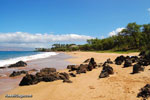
(120, 86)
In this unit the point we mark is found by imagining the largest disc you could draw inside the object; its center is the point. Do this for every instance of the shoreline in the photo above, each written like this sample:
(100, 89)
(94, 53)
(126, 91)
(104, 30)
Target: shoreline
(52, 61)
(122, 85)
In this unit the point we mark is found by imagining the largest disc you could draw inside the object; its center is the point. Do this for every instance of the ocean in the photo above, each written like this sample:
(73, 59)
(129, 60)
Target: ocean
(10, 57)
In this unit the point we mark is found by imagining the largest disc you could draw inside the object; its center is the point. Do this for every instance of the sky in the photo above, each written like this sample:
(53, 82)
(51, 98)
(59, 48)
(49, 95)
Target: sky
(40, 23)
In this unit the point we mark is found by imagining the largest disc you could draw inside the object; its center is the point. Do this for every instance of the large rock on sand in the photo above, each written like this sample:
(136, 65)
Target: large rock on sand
(18, 64)
(137, 68)
(128, 63)
(119, 60)
(28, 80)
(106, 71)
(144, 92)
(17, 73)
(82, 68)
(46, 75)
(48, 70)
(72, 67)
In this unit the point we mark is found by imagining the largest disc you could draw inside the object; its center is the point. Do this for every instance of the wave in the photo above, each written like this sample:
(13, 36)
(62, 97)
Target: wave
(26, 58)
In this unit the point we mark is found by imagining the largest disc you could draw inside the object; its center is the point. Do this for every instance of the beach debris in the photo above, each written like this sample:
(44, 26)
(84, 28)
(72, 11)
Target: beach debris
(18, 64)
(46, 75)
(119, 60)
(106, 71)
(128, 63)
(72, 74)
(137, 68)
(17, 73)
(144, 92)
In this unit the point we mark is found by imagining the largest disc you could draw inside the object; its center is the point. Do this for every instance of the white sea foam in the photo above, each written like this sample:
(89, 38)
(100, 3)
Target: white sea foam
(26, 58)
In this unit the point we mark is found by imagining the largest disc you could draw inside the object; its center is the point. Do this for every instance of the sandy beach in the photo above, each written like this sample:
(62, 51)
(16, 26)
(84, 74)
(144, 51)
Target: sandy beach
(8, 83)
(122, 85)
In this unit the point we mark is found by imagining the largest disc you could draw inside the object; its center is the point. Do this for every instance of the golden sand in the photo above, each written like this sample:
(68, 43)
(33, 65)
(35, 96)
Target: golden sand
(121, 86)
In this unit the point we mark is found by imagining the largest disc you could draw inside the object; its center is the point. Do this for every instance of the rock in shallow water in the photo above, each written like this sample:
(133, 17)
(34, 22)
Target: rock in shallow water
(18, 64)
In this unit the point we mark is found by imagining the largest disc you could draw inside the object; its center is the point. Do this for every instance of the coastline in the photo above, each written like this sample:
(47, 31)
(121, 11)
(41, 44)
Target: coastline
(120, 86)
(56, 61)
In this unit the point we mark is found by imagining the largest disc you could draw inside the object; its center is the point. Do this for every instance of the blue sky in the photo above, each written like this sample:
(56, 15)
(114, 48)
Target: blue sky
(94, 18)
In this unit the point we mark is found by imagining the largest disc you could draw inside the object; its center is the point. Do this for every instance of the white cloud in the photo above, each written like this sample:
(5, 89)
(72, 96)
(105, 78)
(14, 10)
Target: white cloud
(24, 39)
(115, 32)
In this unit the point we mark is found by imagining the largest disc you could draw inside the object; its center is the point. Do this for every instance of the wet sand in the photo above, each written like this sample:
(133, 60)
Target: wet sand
(7, 83)
(122, 85)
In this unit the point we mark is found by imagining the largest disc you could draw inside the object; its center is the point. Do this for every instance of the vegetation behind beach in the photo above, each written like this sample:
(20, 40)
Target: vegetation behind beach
(133, 38)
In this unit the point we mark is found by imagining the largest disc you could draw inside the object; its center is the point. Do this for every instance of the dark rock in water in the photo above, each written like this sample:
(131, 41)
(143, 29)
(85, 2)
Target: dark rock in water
(119, 60)
(87, 61)
(82, 68)
(106, 71)
(128, 63)
(72, 74)
(137, 68)
(72, 67)
(48, 70)
(28, 80)
(144, 92)
(17, 73)
(18, 64)
(109, 61)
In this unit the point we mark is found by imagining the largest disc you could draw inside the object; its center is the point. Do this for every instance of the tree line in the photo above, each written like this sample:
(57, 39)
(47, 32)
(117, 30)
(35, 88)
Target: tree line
(132, 37)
